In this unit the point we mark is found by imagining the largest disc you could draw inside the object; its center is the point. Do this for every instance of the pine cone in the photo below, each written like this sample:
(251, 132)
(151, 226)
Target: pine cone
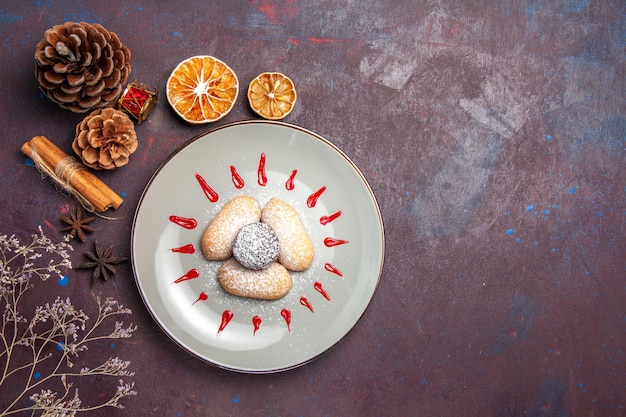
(81, 66)
(105, 139)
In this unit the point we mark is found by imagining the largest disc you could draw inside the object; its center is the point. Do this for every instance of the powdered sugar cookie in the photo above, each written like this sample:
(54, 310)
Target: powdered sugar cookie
(256, 246)
(269, 283)
(296, 248)
(218, 238)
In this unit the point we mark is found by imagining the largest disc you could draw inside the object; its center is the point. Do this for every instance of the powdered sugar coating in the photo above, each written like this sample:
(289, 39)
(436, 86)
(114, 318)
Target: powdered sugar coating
(256, 246)
(270, 283)
(296, 248)
(219, 236)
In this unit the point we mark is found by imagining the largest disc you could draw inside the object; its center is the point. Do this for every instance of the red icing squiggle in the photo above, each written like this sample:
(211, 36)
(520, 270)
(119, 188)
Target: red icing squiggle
(289, 185)
(185, 222)
(227, 316)
(208, 191)
(318, 287)
(305, 302)
(256, 322)
(312, 200)
(191, 274)
(187, 249)
(237, 180)
(324, 220)
(286, 314)
(262, 178)
(330, 268)
(330, 242)
(202, 297)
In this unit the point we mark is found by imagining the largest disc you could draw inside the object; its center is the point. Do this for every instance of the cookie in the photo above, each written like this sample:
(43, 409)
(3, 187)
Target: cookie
(270, 283)
(296, 248)
(256, 246)
(219, 236)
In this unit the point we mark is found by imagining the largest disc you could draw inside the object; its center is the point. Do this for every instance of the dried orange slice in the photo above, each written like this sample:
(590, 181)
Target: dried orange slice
(202, 89)
(272, 95)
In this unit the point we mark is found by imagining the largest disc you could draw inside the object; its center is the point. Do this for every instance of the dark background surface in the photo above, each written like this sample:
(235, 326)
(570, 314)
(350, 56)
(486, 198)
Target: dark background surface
(492, 133)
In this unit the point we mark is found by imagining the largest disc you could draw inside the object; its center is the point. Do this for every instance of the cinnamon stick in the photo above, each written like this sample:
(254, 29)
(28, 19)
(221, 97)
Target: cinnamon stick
(87, 187)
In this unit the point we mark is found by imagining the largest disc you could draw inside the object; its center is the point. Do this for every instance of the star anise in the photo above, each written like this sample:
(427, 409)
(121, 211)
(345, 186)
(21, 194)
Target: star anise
(77, 224)
(101, 261)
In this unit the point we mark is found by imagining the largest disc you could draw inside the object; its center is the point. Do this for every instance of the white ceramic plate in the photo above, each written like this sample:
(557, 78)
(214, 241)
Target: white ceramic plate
(263, 160)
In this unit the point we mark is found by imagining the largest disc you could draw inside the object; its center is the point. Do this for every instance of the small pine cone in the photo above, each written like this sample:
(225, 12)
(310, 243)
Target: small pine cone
(105, 139)
(81, 66)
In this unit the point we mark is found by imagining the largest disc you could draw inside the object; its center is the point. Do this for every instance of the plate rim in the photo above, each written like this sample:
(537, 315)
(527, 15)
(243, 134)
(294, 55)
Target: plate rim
(181, 148)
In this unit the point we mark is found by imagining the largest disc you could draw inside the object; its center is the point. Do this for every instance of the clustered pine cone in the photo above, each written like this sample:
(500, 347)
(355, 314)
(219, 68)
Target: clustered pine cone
(105, 139)
(81, 66)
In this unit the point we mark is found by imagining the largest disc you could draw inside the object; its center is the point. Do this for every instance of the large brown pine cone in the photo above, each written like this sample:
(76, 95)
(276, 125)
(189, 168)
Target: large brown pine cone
(81, 66)
(105, 139)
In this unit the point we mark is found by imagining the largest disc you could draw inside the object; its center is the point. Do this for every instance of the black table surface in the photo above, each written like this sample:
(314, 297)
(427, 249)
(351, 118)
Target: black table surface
(492, 134)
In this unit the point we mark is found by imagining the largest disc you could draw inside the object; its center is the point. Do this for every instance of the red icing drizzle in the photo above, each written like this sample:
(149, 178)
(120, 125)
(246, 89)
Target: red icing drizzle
(256, 322)
(208, 191)
(312, 200)
(286, 314)
(202, 297)
(187, 249)
(305, 302)
(331, 268)
(237, 180)
(191, 274)
(262, 178)
(185, 222)
(330, 242)
(324, 220)
(227, 316)
(318, 288)
(289, 185)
